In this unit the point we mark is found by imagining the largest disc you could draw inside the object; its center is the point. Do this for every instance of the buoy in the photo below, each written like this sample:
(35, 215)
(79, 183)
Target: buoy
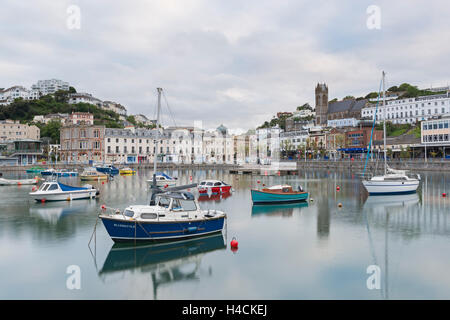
(264, 185)
(234, 243)
(103, 207)
(257, 181)
(340, 205)
(19, 184)
(311, 199)
(43, 200)
(33, 189)
(338, 188)
(444, 194)
(103, 182)
(166, 186)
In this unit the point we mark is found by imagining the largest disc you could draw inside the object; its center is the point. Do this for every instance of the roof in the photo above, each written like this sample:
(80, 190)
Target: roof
(346, 105)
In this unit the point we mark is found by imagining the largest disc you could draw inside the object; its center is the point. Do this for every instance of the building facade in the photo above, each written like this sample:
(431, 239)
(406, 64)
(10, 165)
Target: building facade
(13, 130)
(82, 143)
(50, 86)
(410, 110)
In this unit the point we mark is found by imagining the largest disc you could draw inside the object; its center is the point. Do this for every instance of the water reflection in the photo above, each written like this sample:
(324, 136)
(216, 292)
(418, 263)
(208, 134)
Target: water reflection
(214, 197)
(52, 212)
(285, 210)
(166, 263)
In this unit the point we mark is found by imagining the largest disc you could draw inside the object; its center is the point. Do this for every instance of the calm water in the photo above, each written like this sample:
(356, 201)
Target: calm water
(315, 250)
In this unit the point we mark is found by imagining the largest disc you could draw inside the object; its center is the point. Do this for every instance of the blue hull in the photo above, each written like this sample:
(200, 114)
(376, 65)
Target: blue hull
(265, 197)
(120, 230)
(108, 170)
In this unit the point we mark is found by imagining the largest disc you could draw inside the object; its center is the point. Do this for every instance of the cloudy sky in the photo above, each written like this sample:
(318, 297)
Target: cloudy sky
(230, 62)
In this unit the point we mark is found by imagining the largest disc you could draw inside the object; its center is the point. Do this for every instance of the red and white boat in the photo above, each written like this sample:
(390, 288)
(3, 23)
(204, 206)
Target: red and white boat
(210, 187)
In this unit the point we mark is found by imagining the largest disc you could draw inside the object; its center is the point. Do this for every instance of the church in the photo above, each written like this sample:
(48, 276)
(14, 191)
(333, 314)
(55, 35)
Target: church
(345, 109)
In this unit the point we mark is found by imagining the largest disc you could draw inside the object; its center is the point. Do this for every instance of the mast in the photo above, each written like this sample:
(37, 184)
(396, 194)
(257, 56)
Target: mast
(157, 135)
(384, 125)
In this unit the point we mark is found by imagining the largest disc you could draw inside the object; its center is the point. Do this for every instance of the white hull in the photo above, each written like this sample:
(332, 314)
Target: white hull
(10, 182)
(390, 187)
(63, 196)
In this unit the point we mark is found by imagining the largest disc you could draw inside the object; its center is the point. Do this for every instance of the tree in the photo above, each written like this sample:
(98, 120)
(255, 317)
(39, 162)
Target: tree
(51, 130)
(72, 90)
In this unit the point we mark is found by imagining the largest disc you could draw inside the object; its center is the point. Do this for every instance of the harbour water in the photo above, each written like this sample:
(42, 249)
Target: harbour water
(312, 250)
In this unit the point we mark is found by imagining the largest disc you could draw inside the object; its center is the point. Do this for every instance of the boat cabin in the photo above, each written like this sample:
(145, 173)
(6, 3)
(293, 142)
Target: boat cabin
(212, 183)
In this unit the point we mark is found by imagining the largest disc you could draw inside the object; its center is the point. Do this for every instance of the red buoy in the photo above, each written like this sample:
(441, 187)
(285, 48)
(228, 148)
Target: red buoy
(103, 207)
(444, 194)
(257, 181)
(338, 188)
(43, 200)
(103, 182)
(234, 244)
(166, 186)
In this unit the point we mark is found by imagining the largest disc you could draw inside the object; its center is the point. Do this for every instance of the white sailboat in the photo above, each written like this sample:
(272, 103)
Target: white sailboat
(392, 181)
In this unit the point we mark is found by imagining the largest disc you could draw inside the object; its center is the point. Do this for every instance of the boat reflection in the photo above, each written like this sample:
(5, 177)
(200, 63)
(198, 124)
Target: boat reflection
(166, 262)
(285, 210)
(214, 197)
(391, 201)
(52, 212)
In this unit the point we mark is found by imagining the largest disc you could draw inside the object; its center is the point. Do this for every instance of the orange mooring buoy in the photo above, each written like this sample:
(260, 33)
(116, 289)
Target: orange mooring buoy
(340, 205)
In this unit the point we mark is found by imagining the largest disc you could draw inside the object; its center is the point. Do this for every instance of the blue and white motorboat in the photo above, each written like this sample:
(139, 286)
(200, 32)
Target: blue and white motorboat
(57, 191)
(108, 169)
(60, 173)
(163, 179)
(174, 216)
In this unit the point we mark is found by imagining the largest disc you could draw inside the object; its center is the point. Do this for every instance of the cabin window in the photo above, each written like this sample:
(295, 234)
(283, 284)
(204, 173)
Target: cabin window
(188, 205)
(217, 184)
(44, 187)
(149, 215)
(202, 183)
(128, 213)
(53, 187)
(176, 205)
(285, 189)
(164, 202)
(209, 183)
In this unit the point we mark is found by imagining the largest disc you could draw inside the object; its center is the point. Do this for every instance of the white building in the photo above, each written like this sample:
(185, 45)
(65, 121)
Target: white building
(140, 118)
(8, 96)
(11, 130)
(61, 117)
(114, 106)
(293, 140)
(268, 145)
(341, 123)
(410, 110)
(303, 113)
(50, 86)
(83, 97)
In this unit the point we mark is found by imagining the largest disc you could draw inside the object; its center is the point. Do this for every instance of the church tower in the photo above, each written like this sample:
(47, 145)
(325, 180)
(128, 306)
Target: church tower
(321, 103)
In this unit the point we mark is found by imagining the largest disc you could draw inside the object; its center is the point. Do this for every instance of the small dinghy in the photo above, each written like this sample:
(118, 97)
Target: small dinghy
(278, 194)
(18, 182)
(56, 191)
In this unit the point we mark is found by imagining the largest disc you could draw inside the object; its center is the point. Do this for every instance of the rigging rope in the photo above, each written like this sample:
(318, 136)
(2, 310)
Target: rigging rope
(373, 125)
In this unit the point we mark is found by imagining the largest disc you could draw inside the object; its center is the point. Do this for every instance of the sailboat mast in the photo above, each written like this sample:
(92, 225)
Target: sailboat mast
(384, 125)
(157, 134)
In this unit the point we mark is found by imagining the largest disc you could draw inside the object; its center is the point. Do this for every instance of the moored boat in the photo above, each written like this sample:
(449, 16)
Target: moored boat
(56, 191)
(18, 182)
(107, 169)
(35, 170)
(175, 216)
(127, 170)
(163, 179)
(278, 194)
(213, 187)
(90, 174)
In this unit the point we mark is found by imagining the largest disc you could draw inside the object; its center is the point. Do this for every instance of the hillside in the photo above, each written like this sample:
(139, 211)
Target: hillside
(25, 110)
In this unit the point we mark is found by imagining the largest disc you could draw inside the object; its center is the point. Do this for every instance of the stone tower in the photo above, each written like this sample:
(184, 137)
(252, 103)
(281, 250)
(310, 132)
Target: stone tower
(321, 103)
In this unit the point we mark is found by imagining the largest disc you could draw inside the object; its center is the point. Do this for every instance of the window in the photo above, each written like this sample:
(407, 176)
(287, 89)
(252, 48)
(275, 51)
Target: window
(117, 149)
(128, 213)
(53, 187)
(149, 215)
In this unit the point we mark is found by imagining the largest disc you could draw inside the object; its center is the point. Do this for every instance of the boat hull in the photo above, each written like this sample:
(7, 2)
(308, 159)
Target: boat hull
(64, 196)
(7, 182)
(390, 187)
(268, 197)
(214, 190)
(132, 230)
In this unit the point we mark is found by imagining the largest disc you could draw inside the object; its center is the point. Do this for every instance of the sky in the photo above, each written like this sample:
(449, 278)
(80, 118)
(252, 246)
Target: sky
(229, 62)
